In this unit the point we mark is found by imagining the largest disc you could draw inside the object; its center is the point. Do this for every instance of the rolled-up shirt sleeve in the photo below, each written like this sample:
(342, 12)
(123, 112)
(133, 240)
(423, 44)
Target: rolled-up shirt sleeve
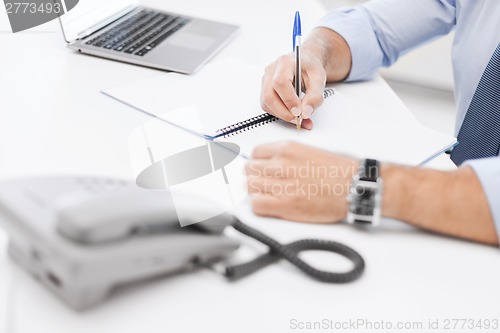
(488, 172)
(380, 31)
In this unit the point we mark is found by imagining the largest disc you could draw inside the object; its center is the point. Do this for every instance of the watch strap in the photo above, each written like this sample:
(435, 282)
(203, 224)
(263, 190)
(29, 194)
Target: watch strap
(368, 171)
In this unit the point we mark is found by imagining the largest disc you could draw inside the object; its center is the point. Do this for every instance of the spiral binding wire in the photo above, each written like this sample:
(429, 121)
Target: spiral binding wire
(261, 119)
(328, 92)
(246, 125)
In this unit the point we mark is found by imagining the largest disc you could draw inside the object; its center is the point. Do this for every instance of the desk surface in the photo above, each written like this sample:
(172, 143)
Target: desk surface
(54, 120)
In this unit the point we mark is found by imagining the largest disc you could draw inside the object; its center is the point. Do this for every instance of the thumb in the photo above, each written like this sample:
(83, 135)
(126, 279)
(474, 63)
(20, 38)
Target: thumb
(313, 98)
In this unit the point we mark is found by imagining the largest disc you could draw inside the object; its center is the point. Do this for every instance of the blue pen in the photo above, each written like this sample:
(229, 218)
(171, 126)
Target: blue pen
(297, 33)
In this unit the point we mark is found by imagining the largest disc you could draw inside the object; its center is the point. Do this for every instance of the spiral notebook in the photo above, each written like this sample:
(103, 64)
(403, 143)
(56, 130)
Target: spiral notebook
(223, 105)
(252, 123)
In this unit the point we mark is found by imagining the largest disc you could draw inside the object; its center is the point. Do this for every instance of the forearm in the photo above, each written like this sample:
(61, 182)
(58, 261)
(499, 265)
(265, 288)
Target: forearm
(332, 50)
(451, 203)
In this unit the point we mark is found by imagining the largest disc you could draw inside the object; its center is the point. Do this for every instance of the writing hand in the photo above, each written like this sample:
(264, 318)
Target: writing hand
(278, 95)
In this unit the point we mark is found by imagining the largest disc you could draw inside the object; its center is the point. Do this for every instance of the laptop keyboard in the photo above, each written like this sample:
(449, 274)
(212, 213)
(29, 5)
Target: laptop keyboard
(140, 33)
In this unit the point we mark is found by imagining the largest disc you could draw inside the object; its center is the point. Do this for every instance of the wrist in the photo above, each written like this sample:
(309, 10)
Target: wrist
(353, 171)
(332, 51)
(317, 48)
(395, 196)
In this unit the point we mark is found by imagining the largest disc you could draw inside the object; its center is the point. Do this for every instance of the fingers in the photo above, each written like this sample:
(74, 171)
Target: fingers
(276, 149)
(314, 81)
(304, 123)
(267, 151)
(307, 124)
(272, 103)
(267, 205)
(263, 185)
(278, 94)
(264, 168)
(283, 84)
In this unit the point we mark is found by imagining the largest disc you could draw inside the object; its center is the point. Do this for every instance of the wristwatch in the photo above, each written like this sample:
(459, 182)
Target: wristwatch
(365, 194)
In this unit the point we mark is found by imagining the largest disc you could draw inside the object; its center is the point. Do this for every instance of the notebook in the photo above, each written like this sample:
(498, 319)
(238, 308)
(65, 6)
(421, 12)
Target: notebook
(223, 105)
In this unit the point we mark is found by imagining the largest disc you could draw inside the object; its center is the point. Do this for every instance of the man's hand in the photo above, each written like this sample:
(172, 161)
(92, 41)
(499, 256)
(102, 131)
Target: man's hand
(325, 57)
(297, 182)
(278, 95)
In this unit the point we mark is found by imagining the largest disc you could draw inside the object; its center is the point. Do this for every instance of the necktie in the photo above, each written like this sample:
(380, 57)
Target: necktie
(479, 135)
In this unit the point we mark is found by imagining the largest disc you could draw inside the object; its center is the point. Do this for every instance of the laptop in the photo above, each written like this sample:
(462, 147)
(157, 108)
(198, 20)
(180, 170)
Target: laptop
(124, 31)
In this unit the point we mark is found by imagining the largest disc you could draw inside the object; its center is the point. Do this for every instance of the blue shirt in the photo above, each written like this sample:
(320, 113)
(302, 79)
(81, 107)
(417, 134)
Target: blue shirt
(380, 31)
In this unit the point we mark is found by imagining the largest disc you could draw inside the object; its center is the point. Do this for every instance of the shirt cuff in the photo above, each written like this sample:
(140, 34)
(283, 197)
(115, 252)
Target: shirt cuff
(488, 172)
(354, 25)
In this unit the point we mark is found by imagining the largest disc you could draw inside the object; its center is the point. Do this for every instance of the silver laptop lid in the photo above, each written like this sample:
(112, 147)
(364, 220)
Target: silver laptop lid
(91, 15)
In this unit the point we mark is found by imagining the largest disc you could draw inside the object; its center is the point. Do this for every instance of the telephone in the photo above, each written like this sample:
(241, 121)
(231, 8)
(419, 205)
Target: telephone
(82, 236)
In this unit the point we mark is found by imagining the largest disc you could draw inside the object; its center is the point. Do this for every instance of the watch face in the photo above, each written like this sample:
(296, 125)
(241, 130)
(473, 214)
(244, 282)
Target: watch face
(364, 198)
(365, 202)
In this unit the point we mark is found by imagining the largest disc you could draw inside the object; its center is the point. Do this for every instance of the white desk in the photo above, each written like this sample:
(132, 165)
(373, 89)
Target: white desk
(53, 120)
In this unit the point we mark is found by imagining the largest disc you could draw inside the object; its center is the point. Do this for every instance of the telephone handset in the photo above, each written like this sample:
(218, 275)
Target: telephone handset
(82, 236)
(135, 211)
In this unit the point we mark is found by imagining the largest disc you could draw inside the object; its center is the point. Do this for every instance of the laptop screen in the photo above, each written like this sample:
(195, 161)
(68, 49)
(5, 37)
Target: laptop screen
(90, 15)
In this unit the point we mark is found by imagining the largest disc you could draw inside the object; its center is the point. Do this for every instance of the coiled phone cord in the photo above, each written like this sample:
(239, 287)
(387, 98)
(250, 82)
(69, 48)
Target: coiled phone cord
(290, 253)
